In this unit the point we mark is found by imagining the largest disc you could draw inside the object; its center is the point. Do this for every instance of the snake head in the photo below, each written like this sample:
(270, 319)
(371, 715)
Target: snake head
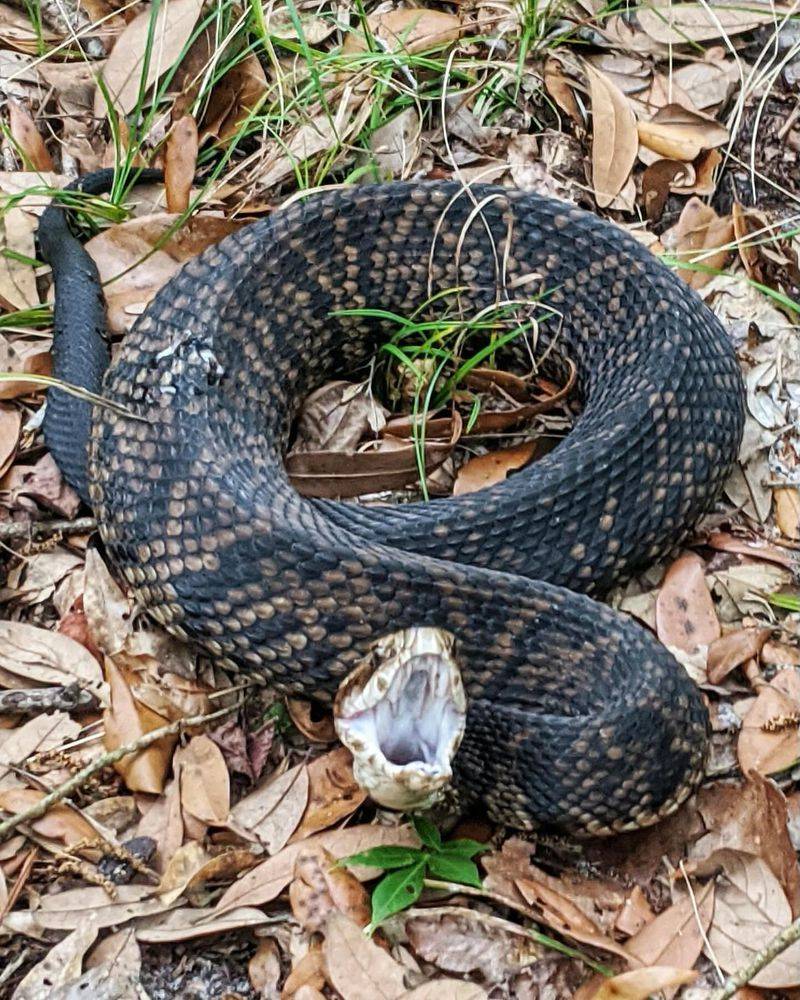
(402, 713)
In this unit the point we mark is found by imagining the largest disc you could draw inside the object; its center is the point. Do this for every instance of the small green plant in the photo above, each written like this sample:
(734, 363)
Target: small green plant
(434, 357)
(405, 869)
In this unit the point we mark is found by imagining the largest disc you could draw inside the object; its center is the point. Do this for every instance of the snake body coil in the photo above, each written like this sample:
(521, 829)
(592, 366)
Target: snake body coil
(577, 716)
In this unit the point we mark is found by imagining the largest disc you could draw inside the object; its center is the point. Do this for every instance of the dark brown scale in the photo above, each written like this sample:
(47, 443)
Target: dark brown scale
(577, 717)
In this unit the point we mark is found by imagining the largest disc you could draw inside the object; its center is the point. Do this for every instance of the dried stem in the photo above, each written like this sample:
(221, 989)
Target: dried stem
(110, 757)
(46, 529)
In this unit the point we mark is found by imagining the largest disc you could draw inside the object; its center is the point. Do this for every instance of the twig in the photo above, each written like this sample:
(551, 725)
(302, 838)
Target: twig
(742, 977)
(110, 757)
(32, 701)
(44, 529)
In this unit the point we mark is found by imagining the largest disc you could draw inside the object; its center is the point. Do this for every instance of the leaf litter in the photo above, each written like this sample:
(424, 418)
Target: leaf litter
(216, 861)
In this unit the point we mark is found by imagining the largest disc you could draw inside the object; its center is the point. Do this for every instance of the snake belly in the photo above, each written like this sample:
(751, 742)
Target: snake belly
(578, 718)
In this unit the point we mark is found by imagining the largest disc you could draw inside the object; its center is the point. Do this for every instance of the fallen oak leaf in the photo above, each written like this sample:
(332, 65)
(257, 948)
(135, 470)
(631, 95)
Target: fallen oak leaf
(769, 740)
(700, 238)
(733, 649)
(167, 31)
(205, 782)
(333, 792)
(320, 888)
(675, 937)
(271, 813)
(750, 910)
(27, 138)
(417, 29)
(639, 984)
(614, 137)
(679, 134)
(356, 966)
(685, 615)
(492, 468)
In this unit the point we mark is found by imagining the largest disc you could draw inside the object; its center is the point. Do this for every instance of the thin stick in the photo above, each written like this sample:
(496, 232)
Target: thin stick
(778, 944)
(45, 529)
(111, 757)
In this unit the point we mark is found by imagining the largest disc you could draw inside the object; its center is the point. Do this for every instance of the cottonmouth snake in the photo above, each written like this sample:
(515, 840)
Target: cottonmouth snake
(578, 717)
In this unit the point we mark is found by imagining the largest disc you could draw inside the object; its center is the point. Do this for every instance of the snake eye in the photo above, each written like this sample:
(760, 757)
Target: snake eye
(401, 714)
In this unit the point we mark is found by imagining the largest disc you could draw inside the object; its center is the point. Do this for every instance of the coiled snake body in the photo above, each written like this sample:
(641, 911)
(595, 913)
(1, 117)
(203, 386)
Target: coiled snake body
(577, 716)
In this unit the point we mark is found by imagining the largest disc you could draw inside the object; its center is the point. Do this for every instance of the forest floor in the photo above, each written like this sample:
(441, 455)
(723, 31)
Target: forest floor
(202, 866)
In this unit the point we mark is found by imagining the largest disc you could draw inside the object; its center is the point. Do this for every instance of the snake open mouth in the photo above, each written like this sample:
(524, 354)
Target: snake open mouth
(401, 714)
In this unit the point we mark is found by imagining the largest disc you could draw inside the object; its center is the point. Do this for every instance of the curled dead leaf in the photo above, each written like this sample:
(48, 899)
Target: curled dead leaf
(679, 134)
(770, 737)
(414, 29)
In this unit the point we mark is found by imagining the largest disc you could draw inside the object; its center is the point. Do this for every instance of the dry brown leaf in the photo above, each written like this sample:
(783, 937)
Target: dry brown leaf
(319, 889)
(30, 654)
(272, 812)
(642, 983)
(787, 511)
(308, 972)
(674, 938)
(39, 735)
(17, 276)
(415, 29)
(264, 968)
(124, 256)
(337, 416)
(205, 782)
(29, 357)
(491, 468)
(682, 23)
(67, 910)
(18, 32)
(703, 236)
(109, 612)
(123, 68)
(614, 137)
(755, 548)
(59, 822)
(560, 89)
(749, 817)
(564, 915)
(685, 615)
(657, 181)
(27, 138)
(193, 921)
(35, 581)
(635, 913)
(457, 939)
(445, 989)
(769, 740)
(679, 134)
(236, 95)
(125, 721)
(41, 482)
(750, 910)
(315, 730)
(267, 880)
(180, 163)
(162, 820)
(733, 649)
(356, 966)
(391, 465)
(61, 967)
(333, 792)
(10, 427)
(708, 82)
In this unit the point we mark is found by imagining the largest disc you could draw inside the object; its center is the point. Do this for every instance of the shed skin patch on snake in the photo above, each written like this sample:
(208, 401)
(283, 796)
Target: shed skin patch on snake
(577, 717)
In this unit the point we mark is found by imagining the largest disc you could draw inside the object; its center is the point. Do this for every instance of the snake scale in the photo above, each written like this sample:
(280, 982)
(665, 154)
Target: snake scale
(578, 718)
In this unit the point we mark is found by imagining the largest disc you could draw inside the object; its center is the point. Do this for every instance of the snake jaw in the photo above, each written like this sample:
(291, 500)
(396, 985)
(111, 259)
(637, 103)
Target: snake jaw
(402, 714)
